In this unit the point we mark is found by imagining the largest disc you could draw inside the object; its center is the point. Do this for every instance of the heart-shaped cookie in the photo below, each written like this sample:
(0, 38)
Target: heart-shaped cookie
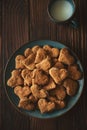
(27, 52)
(74, 72)
(40, 55)
(44, 64)
(58, 75)
(45, 106)
(26, 104)
(22, 91)
(53, 52)
(51, 85)
(65, 57)
(29, 62)
(60, 92)
(15, 79)
(39, 77)
(71, 86)
(37, 92)
(18, 62)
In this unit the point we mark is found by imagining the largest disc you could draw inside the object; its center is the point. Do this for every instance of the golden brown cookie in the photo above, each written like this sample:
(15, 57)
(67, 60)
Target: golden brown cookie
(60, 93)
(71, 86)
(37, 92)
(27, 52)
(35, 49)
(53, 52)
(54, 74)
(63, 74)
(18, 62)
(51, 85)
(40, 77)
(59, 65)
(15, 79)
(26, 104)
(74, 72)
(22, 92)
(41, 54)
(27, 76)
(29, 62)
(58, 75)
(45, 106)
(65, 57)
(44, 64)
(24, 72)
(48, 49)
(52, 98)
(28, 80)
(60, 104)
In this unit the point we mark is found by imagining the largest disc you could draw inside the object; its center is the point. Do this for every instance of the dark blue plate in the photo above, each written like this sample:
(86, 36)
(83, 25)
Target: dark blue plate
(14, 99)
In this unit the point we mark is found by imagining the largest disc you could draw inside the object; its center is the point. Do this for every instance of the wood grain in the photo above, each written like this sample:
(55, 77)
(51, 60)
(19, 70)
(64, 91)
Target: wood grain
(27, 20)
(0, 60)
(14, 34)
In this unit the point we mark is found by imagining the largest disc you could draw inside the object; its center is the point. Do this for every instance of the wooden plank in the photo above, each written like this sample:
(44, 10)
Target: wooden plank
(39, 21)
(0, 59)
(14, 34)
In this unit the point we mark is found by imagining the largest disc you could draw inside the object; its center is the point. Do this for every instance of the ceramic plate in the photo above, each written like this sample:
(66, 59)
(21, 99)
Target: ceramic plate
(14, 99)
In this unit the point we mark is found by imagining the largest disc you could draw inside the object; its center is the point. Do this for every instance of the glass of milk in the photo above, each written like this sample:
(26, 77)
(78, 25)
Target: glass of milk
(62, 11)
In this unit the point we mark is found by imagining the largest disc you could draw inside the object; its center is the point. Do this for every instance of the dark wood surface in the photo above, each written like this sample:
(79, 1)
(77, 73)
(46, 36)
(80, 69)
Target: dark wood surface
(25, 20)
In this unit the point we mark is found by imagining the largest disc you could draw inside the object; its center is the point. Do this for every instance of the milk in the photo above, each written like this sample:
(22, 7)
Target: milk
(61, 10)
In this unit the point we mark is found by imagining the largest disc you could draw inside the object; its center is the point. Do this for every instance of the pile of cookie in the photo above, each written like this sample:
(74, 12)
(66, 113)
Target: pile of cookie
(43, 77)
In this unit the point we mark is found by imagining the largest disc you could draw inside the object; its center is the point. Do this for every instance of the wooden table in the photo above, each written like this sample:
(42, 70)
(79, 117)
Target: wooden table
(25, 20)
